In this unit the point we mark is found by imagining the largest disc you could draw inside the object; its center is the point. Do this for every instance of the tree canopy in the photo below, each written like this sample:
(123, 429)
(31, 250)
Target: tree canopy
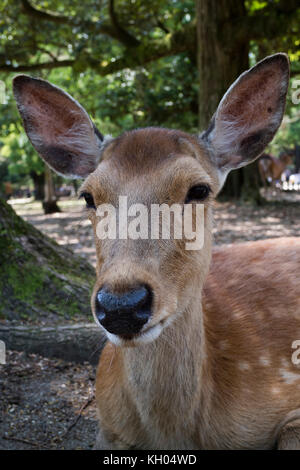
(108, 36)
(133, 63)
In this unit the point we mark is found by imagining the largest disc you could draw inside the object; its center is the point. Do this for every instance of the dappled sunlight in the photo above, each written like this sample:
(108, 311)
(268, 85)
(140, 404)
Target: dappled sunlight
(239, 223)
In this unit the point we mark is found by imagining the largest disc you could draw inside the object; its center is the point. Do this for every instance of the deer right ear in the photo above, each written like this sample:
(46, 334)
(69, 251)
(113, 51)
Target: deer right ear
(58, 127)
(248, 115)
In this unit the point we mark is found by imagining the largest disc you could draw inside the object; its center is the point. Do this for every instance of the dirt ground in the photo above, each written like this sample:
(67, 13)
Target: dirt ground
(47, 403)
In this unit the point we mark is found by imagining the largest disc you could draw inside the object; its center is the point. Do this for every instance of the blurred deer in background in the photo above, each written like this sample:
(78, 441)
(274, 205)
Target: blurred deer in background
(200, 344)
(271, 168)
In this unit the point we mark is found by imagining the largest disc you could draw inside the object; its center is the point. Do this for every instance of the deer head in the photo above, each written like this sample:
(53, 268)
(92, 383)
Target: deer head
(144, 284)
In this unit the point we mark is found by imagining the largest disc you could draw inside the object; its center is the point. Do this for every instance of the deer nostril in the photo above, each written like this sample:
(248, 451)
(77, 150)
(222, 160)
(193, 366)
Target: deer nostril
(124, 313)
(131, 299)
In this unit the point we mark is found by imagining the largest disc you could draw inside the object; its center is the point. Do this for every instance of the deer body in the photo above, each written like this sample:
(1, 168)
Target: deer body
(231, 377)
(198, 356)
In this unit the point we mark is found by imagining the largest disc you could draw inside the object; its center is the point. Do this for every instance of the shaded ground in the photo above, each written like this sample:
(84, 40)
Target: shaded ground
(46, 404)
(236, 223)
(41, 398)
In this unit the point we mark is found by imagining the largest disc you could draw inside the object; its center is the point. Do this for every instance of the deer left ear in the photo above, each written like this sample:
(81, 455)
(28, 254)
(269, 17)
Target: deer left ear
(248, 115)
(58, 127)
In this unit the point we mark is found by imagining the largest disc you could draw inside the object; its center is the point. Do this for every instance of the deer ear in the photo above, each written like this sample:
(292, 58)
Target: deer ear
(248, 115)
(58, 127)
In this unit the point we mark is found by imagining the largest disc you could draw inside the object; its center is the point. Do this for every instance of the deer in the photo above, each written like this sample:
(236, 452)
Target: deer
(199, 343)
(271, 168)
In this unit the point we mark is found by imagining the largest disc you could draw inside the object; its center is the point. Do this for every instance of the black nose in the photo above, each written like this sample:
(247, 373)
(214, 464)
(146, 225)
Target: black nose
(125, 313)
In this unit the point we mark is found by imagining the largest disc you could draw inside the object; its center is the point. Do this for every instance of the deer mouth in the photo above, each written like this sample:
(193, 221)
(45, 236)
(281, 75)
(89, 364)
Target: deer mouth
(146, 336)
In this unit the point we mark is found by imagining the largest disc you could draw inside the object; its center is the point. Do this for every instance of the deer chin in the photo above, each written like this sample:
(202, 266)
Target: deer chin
(149, 335)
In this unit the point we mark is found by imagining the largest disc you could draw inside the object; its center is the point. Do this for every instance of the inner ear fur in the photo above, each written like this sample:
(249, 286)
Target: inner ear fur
(58, 127)
(249, 114)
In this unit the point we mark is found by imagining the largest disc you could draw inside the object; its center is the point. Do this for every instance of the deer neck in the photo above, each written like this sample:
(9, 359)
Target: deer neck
(166, 375)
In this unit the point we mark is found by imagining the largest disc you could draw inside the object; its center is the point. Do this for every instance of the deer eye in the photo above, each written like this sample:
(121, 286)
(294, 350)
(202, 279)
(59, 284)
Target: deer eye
(197, 193)
(89, 200)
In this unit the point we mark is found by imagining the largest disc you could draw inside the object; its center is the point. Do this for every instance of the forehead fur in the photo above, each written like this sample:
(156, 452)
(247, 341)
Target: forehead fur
(143, 148)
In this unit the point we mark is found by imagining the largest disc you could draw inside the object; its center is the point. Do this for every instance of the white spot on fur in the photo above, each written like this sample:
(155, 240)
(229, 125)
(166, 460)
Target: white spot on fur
(237, 314)
(288, 376)
(284, 363)
(264, 361)
(243, 365)
(224, 344)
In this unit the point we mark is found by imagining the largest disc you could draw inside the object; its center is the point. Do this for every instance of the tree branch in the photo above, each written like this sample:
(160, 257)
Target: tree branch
(125, 37)
(172, 44)
(45, 51)
(162, 26)
(42, 15)
(115, 31)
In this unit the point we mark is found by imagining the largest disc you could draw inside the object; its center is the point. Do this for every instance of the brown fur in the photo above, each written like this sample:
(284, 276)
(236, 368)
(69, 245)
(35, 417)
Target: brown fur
(220, 377)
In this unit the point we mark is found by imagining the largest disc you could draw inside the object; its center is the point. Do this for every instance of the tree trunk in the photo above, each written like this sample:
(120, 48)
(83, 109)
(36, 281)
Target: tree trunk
(223, 50)
(39, 185)
(75, 186)
(50, 202)
(233, 186)
(40, 279)
(251, 185)
(79, 343)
